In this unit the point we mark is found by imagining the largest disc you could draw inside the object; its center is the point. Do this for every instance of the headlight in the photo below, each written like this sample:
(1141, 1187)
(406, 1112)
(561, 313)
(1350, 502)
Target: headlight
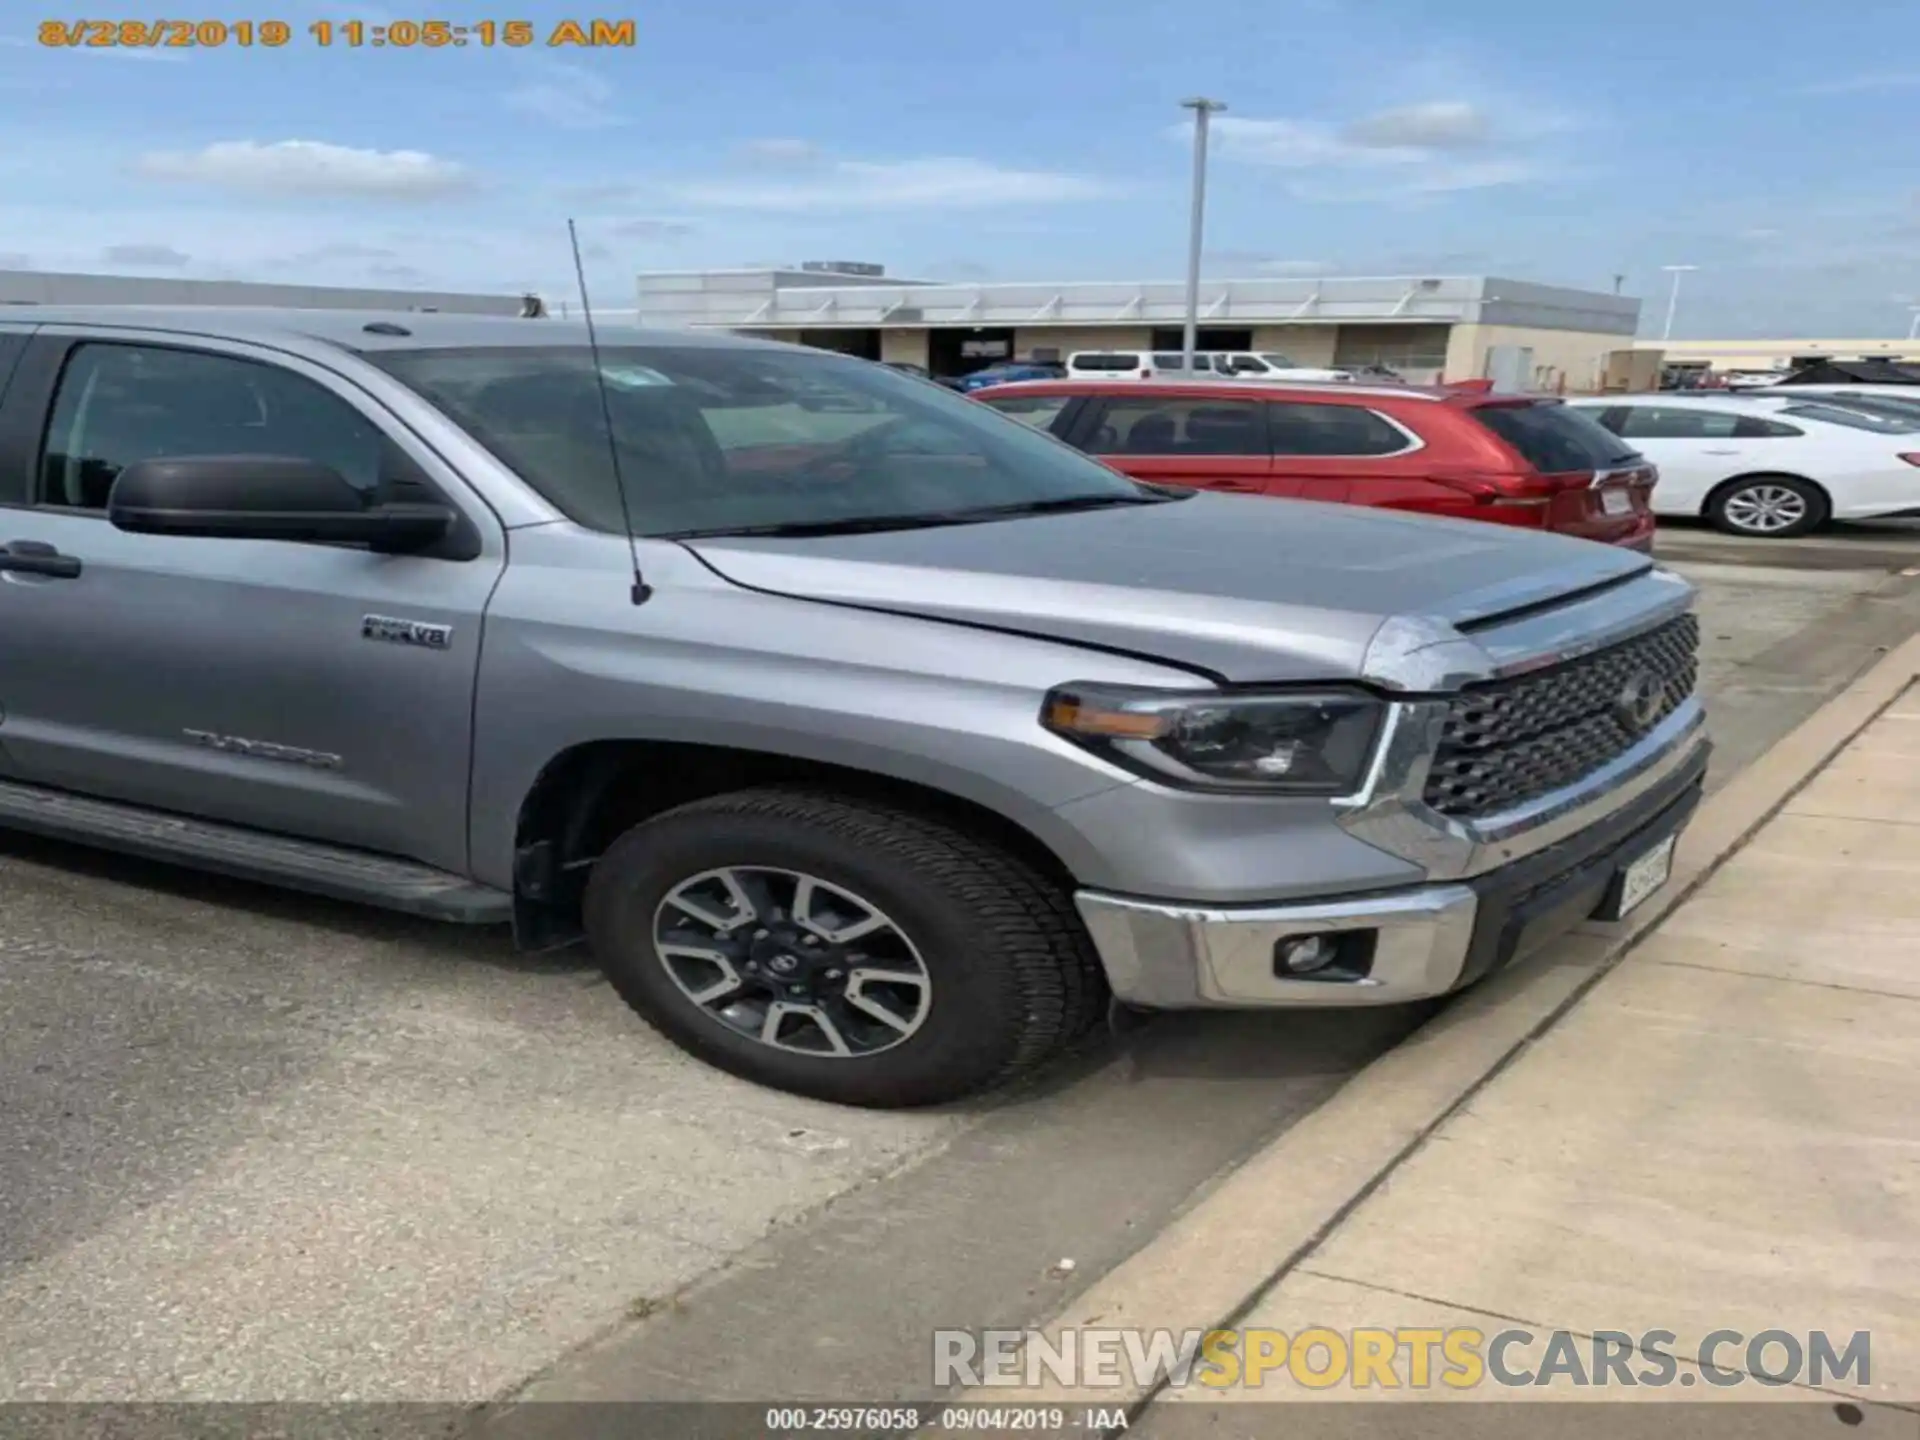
(1315, 742)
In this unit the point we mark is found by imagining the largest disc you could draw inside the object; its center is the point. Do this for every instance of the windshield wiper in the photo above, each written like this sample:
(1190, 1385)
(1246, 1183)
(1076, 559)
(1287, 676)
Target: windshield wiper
(1065, 504)
(789, 529)
(925, 520)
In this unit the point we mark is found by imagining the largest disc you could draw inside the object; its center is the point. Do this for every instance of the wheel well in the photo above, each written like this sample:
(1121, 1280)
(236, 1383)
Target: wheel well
(588, 796)
(1706, 505)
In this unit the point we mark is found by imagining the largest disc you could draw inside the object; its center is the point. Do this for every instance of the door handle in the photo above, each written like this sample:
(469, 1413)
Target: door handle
(36, 557)
(1719, 452)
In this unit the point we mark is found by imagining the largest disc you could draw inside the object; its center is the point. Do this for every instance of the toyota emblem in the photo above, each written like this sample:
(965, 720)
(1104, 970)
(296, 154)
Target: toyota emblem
(1640, 700)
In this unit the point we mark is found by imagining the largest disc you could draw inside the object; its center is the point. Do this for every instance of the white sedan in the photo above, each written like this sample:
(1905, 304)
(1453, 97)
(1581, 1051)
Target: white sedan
(1772, 465)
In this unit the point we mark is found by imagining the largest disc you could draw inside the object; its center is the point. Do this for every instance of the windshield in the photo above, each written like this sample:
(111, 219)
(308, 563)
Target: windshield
(1279, 362)
(722, 438)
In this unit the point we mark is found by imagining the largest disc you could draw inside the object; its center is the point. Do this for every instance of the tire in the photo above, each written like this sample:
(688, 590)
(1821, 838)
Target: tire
(1011, 976)
(1768, 507)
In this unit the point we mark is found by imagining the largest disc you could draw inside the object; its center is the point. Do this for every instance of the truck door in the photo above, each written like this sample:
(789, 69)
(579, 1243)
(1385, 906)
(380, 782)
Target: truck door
(316, 690)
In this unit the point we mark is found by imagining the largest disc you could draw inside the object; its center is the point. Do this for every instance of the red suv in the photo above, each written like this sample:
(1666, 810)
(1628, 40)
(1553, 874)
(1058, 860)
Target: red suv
(1517, 460)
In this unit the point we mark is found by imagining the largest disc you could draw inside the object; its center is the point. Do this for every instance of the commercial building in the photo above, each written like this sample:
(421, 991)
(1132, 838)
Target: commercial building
(44, 287)
(1520, 334)
(1740, 356)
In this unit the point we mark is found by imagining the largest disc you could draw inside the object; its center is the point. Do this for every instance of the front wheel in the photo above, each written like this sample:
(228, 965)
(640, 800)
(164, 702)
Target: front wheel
(845, 950)
(1769, 507)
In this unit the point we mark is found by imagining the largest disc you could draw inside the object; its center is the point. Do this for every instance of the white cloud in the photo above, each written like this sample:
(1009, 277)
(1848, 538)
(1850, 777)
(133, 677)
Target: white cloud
(310, 168)
(653, 228)
(1406, 135)
(1293, 144)
(780, 150)
(1473, 175)
(571, 97)
(1864, 84)
(937, 183)
(159, 257)
(1438, 125)
(339, 251)
(1404, 153)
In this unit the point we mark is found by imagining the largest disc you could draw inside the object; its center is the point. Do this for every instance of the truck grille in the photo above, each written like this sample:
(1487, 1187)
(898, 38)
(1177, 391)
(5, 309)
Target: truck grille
(1510, 741)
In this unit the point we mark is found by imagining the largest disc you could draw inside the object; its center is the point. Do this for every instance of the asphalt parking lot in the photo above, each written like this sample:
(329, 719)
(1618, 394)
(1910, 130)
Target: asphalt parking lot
(255, 1146)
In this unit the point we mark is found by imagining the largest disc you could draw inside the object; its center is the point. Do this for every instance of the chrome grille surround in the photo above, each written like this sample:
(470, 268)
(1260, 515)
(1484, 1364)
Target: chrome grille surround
(1506, 742)
(1431, 665)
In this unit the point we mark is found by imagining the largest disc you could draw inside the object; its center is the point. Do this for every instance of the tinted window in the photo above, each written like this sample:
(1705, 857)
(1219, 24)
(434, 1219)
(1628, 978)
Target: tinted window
(1872, 404)
(1754, 427)
(1333, 430)
(1105, 362)
(120, 403)
(1663, 422)
(1555, 439)
(713, 437)
(1881, 423)
(1181, 427)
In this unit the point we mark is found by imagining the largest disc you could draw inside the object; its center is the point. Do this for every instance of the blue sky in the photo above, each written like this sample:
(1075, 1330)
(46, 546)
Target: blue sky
(1769, 143)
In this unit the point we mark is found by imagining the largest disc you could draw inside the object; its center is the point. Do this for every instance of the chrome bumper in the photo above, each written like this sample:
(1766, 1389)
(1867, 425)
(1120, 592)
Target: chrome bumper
(1170, 957)
(1167, 955)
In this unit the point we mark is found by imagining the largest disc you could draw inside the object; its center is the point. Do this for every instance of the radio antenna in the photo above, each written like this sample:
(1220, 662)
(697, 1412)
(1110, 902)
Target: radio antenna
(641, 590)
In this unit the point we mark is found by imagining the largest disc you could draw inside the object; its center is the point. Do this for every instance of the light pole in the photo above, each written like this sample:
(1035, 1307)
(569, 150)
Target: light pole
(1203, 112)
(1673, 298)
(1913, 330)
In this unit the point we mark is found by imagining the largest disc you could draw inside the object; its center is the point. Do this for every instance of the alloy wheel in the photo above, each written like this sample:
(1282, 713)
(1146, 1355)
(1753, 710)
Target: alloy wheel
(792, 961)
(1765, 509)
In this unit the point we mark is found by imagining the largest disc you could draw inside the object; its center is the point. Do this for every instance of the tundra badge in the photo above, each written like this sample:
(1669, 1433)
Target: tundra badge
(406, 632)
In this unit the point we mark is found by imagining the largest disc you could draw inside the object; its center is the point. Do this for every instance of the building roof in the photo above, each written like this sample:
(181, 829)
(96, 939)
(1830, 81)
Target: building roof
(771, 299)
(1750, 349)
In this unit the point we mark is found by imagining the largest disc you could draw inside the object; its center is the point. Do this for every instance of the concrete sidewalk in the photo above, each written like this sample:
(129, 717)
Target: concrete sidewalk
(1724, 1134)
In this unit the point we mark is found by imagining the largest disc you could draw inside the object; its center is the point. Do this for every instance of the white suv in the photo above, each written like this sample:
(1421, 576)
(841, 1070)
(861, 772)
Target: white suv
(1212, 364)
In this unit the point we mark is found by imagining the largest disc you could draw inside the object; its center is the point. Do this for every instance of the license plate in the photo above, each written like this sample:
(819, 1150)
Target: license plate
(1616, 502)
(1641, 877)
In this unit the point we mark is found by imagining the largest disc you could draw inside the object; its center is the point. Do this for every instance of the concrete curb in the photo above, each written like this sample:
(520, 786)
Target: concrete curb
(1211, 1265)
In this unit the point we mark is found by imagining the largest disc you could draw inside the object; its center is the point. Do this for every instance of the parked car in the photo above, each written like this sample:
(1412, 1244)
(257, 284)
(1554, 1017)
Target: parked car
(1208, 364)
(1770, 464)
(1525, 461)
(907, 367)
(1010, 373)
(871, 744)
(1886, 399)
(1750, 379)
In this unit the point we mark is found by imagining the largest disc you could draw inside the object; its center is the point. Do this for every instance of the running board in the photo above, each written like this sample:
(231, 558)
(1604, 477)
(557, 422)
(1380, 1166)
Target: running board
(308, 865)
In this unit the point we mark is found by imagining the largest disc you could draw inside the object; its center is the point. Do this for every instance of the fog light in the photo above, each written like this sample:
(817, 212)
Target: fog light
(1304, 954)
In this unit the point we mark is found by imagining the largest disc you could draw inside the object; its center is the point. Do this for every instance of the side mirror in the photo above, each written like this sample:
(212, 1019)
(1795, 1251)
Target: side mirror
(264, 497)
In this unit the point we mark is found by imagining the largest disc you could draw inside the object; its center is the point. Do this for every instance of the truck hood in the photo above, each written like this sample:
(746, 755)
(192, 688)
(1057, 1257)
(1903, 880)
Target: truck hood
(1241, 589)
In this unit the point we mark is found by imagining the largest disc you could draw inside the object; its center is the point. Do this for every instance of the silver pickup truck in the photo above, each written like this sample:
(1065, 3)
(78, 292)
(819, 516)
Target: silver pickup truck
(875, 742)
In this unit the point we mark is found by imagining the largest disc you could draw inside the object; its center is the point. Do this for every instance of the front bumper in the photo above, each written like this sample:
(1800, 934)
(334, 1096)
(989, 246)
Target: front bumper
(1392, 946)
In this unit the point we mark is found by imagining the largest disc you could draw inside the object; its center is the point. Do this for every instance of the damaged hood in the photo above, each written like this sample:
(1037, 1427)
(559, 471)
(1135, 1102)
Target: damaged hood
(1241, 589)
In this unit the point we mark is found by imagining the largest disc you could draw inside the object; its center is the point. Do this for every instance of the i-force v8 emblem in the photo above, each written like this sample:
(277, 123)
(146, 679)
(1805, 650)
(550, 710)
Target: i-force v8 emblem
(406, 632)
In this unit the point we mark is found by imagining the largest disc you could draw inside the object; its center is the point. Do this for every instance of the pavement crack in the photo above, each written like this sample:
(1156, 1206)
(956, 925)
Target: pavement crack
(1781, 979)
